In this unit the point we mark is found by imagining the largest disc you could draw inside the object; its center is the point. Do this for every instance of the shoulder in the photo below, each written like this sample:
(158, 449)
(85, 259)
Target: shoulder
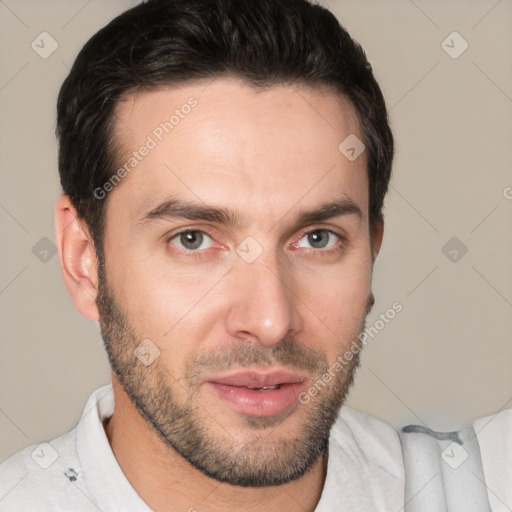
(494, 434)
(365, 466)
(502, 420)
(369, 439)
(45, 477)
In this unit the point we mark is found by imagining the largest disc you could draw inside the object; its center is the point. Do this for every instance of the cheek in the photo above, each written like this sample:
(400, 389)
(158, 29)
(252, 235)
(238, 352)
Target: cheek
(156, 292)
(175, 311)
(339, 299)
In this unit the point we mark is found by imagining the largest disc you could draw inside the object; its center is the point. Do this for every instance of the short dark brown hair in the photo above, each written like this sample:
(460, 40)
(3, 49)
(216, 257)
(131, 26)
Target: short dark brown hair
(167, 42)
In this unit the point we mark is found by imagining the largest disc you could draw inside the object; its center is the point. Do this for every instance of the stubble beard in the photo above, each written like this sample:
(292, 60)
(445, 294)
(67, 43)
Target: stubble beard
(267, 459)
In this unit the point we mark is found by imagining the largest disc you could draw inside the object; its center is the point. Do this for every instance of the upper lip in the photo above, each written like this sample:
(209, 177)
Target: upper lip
(257, 379)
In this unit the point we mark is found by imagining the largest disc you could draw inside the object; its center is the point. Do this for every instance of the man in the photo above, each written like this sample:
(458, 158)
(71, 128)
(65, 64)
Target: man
(224, 166)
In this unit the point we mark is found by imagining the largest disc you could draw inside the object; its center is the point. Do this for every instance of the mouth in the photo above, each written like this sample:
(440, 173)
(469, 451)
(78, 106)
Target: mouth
(258, 393)
(264, 388)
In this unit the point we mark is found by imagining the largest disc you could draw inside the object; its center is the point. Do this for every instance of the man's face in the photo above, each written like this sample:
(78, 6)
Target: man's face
(238, 244)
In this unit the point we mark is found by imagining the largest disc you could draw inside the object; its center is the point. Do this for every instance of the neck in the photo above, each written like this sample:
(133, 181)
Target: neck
(166, 481)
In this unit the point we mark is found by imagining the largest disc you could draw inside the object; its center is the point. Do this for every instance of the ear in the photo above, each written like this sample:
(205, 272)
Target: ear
(377, 234)
(77, 256)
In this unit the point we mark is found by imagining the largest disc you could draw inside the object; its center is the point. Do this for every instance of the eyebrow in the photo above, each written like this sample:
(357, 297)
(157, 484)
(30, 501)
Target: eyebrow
(178, 209)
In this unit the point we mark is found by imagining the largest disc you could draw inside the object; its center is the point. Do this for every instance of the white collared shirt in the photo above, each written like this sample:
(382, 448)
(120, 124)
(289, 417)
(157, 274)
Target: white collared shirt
(494, 434)
(78, 471)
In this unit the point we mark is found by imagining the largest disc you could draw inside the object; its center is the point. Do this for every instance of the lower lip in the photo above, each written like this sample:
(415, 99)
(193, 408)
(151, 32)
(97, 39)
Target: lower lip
(258, 403)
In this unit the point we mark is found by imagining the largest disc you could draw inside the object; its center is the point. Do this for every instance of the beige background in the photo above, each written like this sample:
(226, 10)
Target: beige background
(444, 360)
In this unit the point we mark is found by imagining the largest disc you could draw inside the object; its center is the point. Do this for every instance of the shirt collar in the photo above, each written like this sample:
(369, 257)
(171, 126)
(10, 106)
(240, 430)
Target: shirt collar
(105, 479)
(112, 490)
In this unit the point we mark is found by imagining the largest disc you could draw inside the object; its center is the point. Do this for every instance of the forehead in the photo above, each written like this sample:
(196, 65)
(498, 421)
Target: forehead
(225, 143)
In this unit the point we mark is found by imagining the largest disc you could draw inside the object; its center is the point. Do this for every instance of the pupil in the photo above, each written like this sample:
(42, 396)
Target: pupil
(191, 239)
(318, 239)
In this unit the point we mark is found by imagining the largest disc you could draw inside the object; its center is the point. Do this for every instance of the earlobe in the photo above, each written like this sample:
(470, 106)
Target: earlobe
(77, 256)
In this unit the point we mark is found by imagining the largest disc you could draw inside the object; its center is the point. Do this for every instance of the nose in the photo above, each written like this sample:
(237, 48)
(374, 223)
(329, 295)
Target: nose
(263, 307)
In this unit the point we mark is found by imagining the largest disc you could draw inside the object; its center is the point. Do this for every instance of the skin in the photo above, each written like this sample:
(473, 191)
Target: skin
(268, 156)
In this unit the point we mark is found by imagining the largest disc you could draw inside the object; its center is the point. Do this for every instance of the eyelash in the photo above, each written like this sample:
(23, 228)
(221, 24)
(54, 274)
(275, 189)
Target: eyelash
(200, 254)
(193, 254)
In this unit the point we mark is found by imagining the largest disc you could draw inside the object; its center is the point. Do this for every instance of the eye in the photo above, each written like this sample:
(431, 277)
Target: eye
(192, 240)
(319, 239)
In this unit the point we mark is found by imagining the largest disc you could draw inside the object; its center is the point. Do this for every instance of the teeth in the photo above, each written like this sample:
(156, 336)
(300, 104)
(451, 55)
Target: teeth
(277, 386)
